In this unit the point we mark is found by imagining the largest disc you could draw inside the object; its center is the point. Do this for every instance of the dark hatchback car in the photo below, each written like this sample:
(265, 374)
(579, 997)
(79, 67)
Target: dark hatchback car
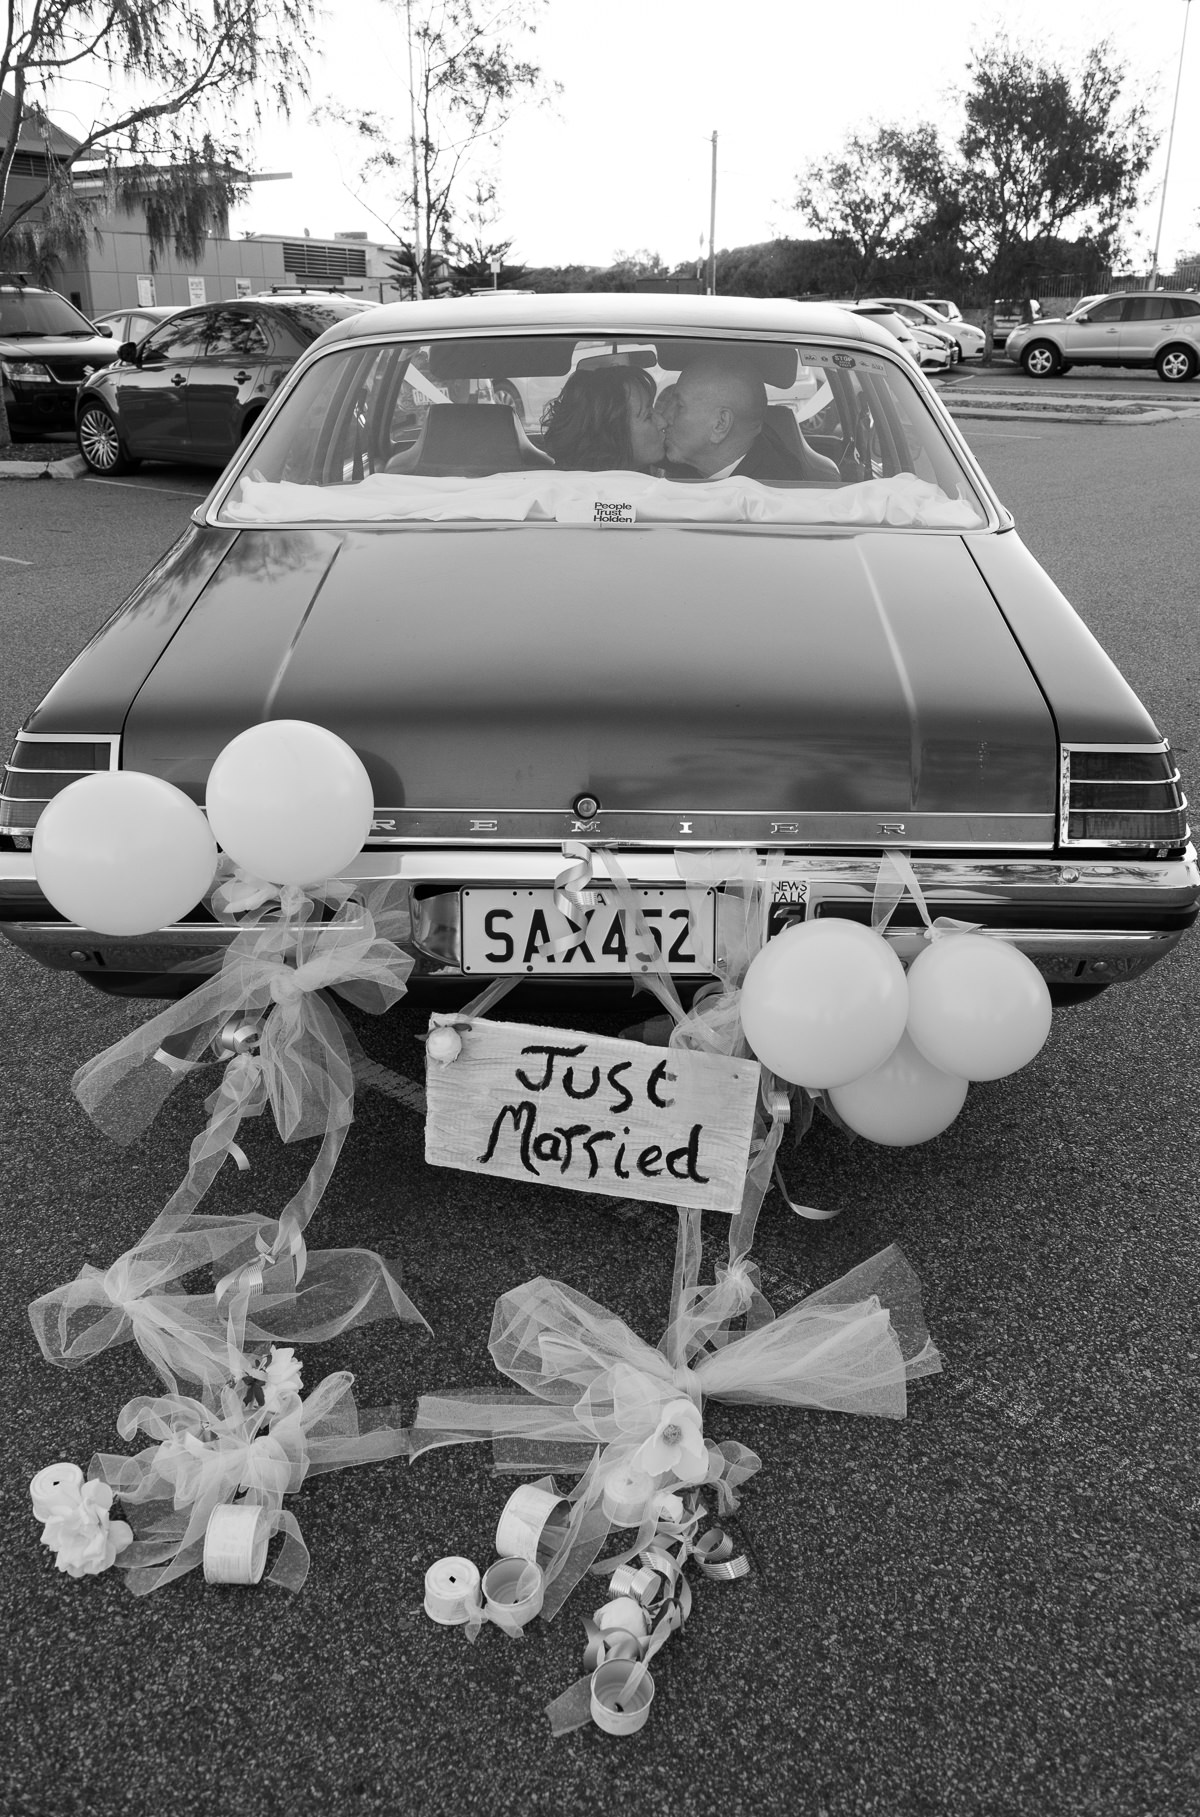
(47, 350)
(532, 640)
(194, 385)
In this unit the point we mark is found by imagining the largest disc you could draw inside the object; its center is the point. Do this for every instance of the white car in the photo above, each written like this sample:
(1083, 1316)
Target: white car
(937, 347)
(134, 324)
(948, 310)
(937, 352)
(969, 339)
(890, 322)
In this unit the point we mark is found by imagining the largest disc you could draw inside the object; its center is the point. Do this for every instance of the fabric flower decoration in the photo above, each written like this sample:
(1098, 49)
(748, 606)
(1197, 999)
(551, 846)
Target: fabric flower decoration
(282, 1384)
(85, 1541)
(676, 1447)
(271, 1381)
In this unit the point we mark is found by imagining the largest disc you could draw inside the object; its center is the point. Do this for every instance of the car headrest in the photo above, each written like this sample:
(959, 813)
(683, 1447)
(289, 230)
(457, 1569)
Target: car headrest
(471, 440)
(774, 362)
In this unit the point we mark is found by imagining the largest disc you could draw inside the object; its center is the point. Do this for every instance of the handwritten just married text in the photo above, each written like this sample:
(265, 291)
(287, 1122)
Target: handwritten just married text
(594, 1114)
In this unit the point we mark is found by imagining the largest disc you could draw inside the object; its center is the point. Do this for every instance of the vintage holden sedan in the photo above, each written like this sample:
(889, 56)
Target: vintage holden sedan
(740, 587)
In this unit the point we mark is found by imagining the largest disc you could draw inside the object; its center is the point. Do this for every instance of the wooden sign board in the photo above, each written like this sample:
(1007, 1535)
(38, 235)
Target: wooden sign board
(593, 1114)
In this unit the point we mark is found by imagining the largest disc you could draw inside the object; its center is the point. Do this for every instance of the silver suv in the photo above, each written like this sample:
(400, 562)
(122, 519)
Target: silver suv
(1159, 328)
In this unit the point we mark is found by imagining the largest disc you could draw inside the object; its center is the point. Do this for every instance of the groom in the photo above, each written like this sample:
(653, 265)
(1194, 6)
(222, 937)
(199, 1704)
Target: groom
(718, 426)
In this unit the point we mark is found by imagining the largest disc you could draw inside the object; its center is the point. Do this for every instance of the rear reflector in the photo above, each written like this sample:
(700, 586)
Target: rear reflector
(1122, 798)
(41, 768)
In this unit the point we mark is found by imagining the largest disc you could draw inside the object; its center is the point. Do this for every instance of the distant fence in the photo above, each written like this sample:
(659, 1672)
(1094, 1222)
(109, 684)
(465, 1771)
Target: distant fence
(1050, 288)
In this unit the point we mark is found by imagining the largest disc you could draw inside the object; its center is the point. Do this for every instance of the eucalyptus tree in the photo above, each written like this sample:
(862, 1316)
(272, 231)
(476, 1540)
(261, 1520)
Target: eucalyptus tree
(875, 197)
(1046, 152)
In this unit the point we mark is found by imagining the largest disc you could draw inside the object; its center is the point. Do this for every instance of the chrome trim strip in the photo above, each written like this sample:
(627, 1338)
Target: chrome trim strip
(681, 827)
(1141, 750)
(59, 769)
(111, 739)
(1145, 813)
(990, 879)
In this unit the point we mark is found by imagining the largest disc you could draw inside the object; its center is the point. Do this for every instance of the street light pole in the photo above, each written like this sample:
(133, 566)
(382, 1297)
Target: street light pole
(418, 287)
(1170, 139)
(712, 225)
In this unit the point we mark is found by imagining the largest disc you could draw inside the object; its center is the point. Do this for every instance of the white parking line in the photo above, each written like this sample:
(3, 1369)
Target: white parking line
(137, 486)
(16, 561)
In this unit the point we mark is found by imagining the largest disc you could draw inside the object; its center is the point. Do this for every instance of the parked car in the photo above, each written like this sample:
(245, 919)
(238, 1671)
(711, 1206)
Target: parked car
(944, 307)
(890, 322)
(1159, 329)
(1010, 313)
(194, 385)
(282, 292)
(134, 324)
(937, 347)
(969, 339)
(47, 349)
(936, 351)
(857, 656)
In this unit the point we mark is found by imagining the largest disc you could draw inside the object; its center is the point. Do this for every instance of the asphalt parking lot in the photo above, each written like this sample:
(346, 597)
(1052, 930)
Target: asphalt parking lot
(991, 1608)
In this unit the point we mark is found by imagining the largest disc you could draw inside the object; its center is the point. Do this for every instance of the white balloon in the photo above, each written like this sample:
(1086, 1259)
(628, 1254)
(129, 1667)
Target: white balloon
(977, 1007)
(824, 1002)
(902, 1102)
(122, 852)
(290, 801)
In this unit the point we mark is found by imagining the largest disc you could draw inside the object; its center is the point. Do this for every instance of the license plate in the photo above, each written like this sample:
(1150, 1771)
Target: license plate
(505, 930)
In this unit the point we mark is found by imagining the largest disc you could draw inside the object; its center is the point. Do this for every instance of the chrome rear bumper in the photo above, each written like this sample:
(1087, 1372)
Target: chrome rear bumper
(1082, 922)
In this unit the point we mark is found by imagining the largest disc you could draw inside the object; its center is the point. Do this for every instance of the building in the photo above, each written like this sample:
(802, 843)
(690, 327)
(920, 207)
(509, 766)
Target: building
(119, 273)
(118, 270)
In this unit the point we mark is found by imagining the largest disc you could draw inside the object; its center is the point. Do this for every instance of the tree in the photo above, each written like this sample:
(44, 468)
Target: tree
(878, 196)
(476, 252)
(784, 268)
(1043, 150)
(173, 75)
(558, 278)
(468, 78)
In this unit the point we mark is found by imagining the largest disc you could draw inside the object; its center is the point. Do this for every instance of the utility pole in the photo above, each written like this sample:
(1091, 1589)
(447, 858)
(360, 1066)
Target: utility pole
(418, 286)
(712, 225)
(1170, 137)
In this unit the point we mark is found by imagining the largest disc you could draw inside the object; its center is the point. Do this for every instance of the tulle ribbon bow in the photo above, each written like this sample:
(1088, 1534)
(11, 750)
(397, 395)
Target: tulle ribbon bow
(600, 1401)
(140, 1298)
(275, 975)
(206, 1456)
(198, 1337)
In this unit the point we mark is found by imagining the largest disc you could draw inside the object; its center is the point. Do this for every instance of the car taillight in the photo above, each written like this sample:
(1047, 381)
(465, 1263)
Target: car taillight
(1124, 797)
(40, 767)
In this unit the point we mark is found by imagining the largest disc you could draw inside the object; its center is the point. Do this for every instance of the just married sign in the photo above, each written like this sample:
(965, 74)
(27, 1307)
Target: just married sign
(593, 1114)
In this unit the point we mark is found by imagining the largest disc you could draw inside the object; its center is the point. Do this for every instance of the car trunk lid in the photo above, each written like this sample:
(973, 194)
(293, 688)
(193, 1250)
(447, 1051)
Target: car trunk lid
(827, 683)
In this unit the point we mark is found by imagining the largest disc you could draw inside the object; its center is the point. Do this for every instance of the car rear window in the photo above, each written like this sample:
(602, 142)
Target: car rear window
(575, 429)
(313, 316)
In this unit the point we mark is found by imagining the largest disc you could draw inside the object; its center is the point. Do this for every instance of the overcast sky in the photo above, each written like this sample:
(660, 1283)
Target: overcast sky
(622, 160)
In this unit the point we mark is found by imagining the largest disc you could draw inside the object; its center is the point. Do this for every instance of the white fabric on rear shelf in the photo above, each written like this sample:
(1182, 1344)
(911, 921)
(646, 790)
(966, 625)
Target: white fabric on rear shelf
(571, 498)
